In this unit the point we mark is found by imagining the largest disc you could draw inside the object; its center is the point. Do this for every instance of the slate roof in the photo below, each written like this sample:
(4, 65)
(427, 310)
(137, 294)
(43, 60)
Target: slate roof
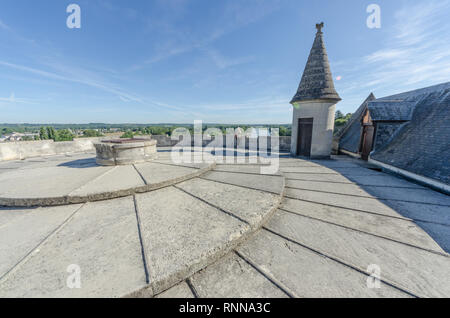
(421, 145)
(317, 81)
(386, 110)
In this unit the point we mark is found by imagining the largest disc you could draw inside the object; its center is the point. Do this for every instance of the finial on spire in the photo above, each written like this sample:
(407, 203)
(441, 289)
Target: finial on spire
(319, 27)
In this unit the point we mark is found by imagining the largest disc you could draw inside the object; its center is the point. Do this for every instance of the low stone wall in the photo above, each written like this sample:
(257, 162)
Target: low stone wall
(29, 149)
(284, 142)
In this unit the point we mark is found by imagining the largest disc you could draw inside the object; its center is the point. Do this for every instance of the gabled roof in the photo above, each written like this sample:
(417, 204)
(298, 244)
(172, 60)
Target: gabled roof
(317, 81)
(420, 145)
(400, 107)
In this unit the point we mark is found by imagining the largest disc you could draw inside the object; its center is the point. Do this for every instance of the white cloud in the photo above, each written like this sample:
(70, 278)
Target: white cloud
(417, 54)
(223, 62)
(12, 99)
(233, 17)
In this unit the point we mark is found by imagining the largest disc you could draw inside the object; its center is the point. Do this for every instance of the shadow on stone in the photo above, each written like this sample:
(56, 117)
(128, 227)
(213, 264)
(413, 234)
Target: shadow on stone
(433, 218)
(80, 163)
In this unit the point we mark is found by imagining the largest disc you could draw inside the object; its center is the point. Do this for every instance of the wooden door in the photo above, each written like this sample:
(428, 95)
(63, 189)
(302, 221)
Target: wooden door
(367, 142)
(304, 139)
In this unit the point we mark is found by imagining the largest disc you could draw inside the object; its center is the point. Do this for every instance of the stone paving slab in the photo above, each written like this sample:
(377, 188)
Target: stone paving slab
(374, 180)
(272, 184)
(312, 169)
(402, 209)
(170, 162)
(410, 195)
(423, 212)
(74, 161)
(243, 168)
(323, 163)
(350, 189)
(308, 274)
(343, 201)
(383, 180)
(439, 233)
(102, 239)
(158, 173)
(253, 206)
(40, 182)
(386, 193)
(346, 172)
(400, 230)
(182, 235)
(14, 164)
(423, 273)
(316, 177)
(232, 277)
(118, 178)
(23, 230)
(181, 290)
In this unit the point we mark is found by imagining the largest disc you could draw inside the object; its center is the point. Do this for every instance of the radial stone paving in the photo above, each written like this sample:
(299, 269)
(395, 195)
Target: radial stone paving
(135, 245)
(160, 229)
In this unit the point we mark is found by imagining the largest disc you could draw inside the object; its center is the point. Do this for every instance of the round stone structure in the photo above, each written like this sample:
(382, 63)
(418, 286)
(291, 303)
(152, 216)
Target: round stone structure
(125, 151)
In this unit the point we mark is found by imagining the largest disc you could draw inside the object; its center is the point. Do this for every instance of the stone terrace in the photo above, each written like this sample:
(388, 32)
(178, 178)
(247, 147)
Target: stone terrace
(216, 230)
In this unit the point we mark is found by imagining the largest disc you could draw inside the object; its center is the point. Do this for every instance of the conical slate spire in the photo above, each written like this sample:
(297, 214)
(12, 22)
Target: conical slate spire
(317, 81)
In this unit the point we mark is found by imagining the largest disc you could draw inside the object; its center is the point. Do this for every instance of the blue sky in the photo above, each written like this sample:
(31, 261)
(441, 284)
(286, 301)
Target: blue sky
(222, 61)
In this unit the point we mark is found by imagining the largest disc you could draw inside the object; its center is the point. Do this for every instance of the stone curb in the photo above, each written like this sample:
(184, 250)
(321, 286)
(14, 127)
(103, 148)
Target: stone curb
(69, 199)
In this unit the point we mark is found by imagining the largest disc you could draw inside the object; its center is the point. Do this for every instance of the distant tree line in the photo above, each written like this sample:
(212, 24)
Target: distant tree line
(284, 130)
(65, 132)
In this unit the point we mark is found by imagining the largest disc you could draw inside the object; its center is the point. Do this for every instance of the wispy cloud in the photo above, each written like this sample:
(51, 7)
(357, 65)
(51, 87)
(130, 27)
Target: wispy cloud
(12, 99)
(223, 62)
(417, 54)
(234, 16)
(127, 12)
(71, 77)
(85, 77)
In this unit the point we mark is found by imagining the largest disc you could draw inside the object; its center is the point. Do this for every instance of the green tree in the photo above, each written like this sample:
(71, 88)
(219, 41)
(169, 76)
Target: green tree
(43, 135)
(51, 133)
(91, 133)
(63, 135)
(6, 131)
(339, 115)
(127, 135)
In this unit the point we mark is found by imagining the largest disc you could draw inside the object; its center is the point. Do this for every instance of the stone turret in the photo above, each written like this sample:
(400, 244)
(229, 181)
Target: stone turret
(314, 105)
